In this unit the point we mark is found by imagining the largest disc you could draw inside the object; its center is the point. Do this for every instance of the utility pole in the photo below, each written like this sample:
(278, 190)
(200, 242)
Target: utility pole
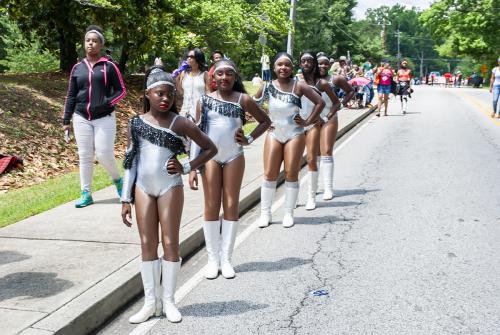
(383, 34)
(421, 63)
(289, 45)
(398, 56)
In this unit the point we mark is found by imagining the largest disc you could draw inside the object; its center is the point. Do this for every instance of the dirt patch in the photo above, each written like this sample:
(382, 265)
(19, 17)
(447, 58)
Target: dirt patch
(31, 126)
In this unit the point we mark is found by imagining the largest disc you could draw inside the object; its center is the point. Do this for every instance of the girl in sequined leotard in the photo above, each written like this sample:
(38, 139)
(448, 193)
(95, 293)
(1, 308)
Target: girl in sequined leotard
(311, 76)
(155, 140)
(330, 127)
(286, 140)
(221, 115)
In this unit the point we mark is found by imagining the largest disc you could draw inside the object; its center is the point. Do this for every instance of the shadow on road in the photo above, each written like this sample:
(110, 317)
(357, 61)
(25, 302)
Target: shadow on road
(355, 191)
(318, 220)
(333, 203)
(108, 201)
(281, 265)
(12, 257)
(32, 284)
(222, 308)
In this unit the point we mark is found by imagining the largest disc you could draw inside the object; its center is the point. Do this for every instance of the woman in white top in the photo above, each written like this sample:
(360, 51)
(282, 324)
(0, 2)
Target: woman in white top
(495, 87)
(192, 83)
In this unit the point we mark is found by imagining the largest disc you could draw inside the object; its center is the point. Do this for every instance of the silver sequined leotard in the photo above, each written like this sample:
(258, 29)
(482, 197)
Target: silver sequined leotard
(328, 102)
(308, 105)
(145, 161)
(283, 106)
(223, 119)
(220, 120)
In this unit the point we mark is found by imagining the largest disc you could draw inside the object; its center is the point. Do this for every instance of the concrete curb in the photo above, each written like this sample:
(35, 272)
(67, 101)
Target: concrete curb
(94, 307)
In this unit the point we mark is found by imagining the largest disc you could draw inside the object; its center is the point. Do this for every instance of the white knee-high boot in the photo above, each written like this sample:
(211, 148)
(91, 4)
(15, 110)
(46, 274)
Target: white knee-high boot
(229, 230)
(150, 274)
(328, 166)
(266, 200)
(312, 187)
(291, 193)
(320, 172)
(169, 282)
(211, 230)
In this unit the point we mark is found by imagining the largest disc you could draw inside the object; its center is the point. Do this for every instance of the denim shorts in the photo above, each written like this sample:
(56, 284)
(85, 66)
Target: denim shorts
(384, 89)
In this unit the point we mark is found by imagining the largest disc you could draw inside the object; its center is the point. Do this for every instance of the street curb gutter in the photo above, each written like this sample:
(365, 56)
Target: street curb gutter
(93, 308)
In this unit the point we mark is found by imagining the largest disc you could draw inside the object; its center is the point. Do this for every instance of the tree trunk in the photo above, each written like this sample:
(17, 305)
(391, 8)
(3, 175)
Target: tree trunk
(124, 57)
(67, 52)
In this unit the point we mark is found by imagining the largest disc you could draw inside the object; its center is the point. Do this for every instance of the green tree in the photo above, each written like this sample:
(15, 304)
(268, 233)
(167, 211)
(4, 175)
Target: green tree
(18, 54)
(415, 41)
(137, 31)
(324, 25)
(467, 27)
(57, 23)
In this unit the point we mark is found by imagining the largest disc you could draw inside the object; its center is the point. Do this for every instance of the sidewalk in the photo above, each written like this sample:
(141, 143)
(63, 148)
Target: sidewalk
(67, 270)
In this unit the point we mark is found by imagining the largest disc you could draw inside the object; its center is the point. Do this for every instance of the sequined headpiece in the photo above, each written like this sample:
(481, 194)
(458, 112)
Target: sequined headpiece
(224, 65)
(159, 77)
(320, 58)
(284, 56)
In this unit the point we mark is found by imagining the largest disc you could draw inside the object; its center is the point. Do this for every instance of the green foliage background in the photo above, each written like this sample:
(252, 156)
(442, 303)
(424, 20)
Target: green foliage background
(451, 34)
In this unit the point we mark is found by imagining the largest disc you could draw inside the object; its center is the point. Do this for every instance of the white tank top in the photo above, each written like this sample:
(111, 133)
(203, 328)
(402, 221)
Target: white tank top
(194, 88)
(496, 73)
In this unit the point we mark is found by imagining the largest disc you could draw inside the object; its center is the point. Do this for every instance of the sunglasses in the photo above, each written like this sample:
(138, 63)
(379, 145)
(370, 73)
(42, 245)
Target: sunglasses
(190, 56)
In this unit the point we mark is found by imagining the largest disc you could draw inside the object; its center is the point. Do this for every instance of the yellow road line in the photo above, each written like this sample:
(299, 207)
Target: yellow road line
(481, 106)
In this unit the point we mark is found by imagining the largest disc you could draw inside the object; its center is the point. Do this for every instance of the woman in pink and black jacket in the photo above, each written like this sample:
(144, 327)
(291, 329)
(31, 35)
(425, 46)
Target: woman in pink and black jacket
(95, 87)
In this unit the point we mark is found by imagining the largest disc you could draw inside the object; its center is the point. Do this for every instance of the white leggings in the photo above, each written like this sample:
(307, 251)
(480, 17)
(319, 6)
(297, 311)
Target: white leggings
(95, 136)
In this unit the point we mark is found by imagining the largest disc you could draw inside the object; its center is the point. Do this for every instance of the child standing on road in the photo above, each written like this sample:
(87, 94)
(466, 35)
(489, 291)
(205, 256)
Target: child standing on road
(153, 179)
(285, 141)
(317, 135)
(221, 115)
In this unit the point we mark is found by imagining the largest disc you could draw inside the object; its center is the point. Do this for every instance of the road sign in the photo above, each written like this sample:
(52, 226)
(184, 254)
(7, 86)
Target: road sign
(484, 68)
(262, 39)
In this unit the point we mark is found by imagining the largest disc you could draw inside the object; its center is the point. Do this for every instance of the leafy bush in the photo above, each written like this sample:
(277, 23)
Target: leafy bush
(21, 55)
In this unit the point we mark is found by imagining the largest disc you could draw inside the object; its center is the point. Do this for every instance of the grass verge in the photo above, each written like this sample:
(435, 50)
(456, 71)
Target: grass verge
(22, 203)
(28, 201)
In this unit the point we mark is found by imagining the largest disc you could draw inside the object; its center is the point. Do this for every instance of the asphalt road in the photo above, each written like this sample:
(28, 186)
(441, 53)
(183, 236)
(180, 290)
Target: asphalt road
(410, 245)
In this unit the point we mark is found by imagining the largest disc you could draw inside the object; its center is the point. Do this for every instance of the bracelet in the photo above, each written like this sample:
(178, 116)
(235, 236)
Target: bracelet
(249, 139)
(186, 168)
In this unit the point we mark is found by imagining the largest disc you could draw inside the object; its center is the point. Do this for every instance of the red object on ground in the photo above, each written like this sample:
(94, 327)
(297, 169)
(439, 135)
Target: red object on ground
(8, 163)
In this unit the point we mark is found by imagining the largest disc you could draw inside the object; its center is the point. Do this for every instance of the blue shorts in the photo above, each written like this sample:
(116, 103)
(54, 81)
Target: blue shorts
(384, 89)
